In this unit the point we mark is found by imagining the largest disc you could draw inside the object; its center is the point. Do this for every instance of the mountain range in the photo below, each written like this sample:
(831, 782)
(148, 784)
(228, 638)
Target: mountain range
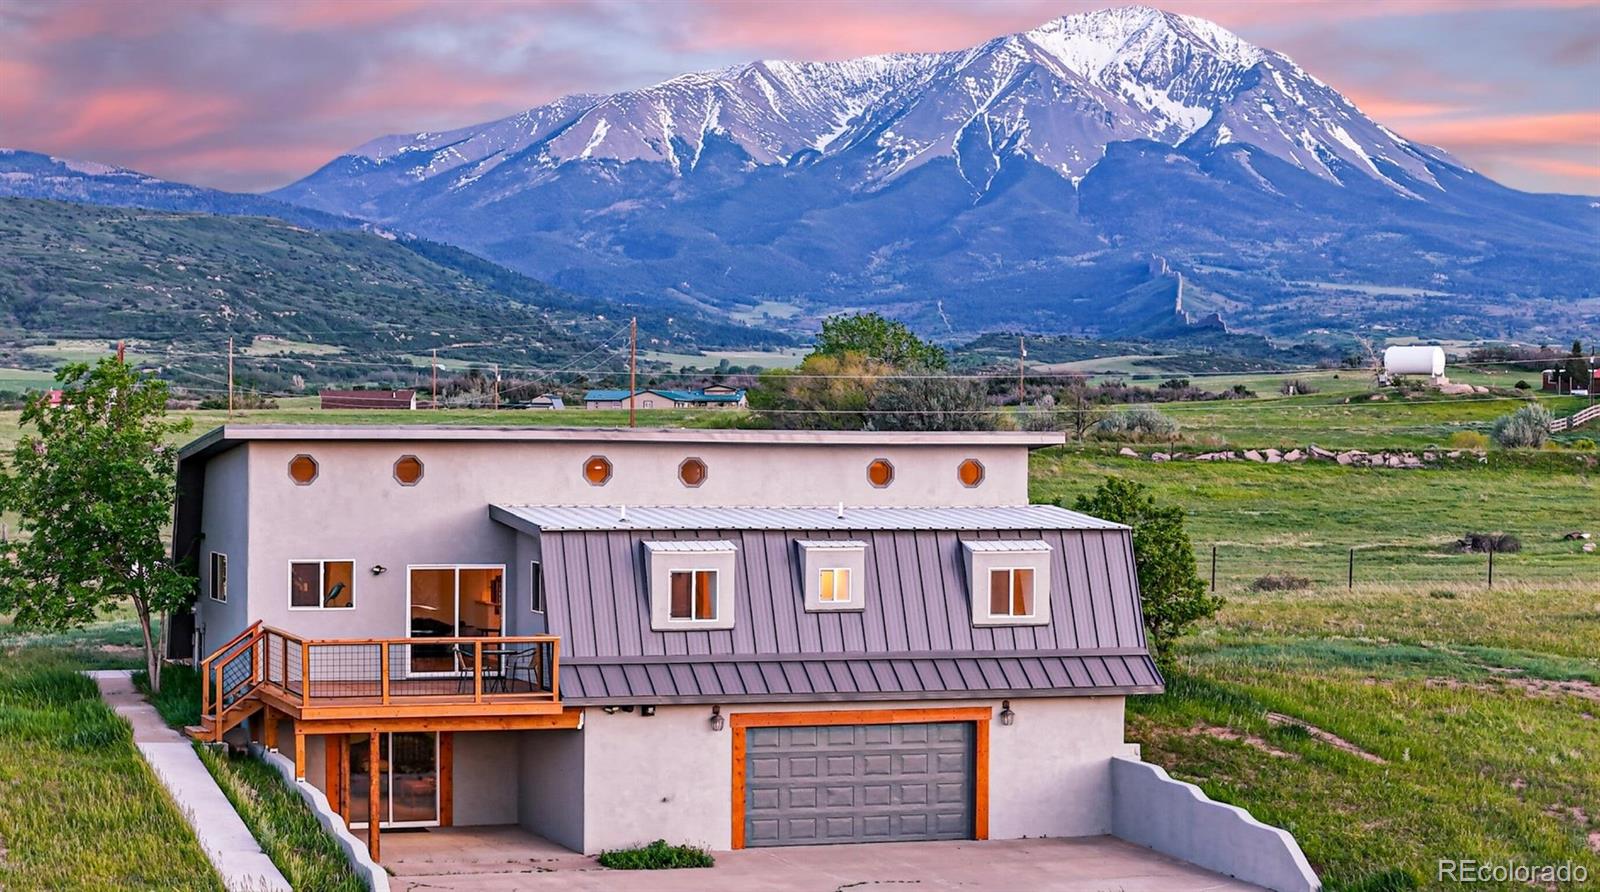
(1108, 172)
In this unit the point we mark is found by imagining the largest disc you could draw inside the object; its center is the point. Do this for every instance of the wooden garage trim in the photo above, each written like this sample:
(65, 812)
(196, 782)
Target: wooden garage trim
(979, 716)
(447, 778)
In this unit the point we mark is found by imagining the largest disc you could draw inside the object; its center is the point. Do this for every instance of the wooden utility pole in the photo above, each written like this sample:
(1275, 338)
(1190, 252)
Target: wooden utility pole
(120, 352)
(633, 369)
(1022, 359)
(230, 377)
(496, 402)
(433, 369)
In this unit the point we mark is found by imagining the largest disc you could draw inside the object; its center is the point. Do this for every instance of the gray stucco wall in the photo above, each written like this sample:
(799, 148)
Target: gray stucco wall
(485, 779)
(551, 779)
(226, 530)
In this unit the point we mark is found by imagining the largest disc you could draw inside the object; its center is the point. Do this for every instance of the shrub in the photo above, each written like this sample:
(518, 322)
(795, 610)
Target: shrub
(1523, 385)
(1469, 440)
(1280, 582)
(656, 856)
(1138, 424)
(1526, 428)
(1582, 443)
(1442, 594)
(1504, 543)
(1297, 387)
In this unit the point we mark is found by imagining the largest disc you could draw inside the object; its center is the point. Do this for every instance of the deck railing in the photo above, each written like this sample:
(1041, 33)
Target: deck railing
(381, 672)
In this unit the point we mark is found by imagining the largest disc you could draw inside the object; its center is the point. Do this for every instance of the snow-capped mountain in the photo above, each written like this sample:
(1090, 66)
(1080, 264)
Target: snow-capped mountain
(34, 175)
(1040, 172)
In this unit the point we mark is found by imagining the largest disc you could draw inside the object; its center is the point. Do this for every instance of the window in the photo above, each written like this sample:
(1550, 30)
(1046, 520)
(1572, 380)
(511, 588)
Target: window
(692, 472)
(536, 586)
(834, 573)
(302, 470)
(694, 595)
(322, 585)
(408, 470)
(219, 577)
(970, 473)
(833, 585)
(597, 470)
(880, 473)
(1009, 581)
(1011, 592)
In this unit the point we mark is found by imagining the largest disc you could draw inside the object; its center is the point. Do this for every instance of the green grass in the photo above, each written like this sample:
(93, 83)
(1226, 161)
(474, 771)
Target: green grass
(78, 808)
(657, 855)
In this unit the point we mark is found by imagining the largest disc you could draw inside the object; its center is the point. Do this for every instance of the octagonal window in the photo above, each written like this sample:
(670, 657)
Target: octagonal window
(408, 470)
(302, 470)
(970, 472)
(880, 473)
(692, 472)
(597, 470)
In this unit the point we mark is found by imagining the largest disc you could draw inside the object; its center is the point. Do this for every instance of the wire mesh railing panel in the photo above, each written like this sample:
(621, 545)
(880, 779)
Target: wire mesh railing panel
(237, 676)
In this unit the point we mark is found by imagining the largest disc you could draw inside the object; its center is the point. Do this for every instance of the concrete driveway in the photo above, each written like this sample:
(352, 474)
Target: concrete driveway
(495, 859)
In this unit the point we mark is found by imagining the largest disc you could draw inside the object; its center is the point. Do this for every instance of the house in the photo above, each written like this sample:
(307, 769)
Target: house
(716, 396)
(369, 399)
(613, 636)
(547, 401)
(1560, 380)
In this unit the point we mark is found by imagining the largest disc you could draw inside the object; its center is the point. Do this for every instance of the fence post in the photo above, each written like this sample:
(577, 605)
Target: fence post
(1213, 568)
(1491, 566)
(1350, 580)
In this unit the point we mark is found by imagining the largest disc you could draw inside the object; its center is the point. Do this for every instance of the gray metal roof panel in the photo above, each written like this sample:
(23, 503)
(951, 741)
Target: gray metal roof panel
(600, 518)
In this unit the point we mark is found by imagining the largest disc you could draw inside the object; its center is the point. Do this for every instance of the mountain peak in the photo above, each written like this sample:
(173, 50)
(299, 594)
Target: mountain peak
(1090, 42)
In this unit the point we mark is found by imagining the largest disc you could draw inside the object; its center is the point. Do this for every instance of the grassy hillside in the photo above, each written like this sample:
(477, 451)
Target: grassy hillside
(177, 285)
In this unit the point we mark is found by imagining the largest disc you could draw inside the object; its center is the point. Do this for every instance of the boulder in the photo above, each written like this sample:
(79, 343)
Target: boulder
(1345, 458)
(1319, 452)
(1253, 455)
(1294, 455)
(1395, 461)
(1430, 456)
(1128, 452)
(1588, 546)
(1160, 456)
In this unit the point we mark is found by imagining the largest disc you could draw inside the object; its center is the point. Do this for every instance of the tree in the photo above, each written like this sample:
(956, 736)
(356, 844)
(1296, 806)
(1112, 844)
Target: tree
(1577, 367)
(1170, 589)
(921, 400)
(93, 490)
(879, 339)
(823, 393)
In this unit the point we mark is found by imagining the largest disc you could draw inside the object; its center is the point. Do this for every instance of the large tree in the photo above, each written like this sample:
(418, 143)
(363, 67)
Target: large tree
(878, 339)
(1171, 592)
(93, 488)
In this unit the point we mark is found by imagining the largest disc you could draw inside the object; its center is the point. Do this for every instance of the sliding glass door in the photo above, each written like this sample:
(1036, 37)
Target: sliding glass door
(408, 779)
(453, 602)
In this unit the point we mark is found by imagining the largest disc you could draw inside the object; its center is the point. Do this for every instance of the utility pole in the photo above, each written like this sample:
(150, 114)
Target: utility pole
(120, 353)
(230, 377)
(496, 403)
(433, 370)
(1022, 357)
(633, 369)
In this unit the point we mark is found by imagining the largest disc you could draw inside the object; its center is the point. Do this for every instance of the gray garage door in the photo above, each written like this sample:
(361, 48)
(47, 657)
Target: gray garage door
(858, 783)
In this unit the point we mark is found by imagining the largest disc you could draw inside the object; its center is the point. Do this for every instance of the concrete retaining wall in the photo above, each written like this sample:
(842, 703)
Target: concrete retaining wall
(1178, 819)
(355, 850)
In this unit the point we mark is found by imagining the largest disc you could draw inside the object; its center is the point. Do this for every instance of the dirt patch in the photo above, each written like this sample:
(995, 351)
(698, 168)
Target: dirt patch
(1216, 732)
(1328, 737)
(1533, 687)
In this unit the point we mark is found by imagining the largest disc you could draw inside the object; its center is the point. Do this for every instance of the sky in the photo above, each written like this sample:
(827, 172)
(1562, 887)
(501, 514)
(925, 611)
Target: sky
(250, 95)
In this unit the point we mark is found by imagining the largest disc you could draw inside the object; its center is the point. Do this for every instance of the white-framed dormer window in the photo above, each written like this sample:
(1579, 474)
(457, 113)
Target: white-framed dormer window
(1009, 580)
(217, 585)
(322, 585)
(691, 584)
(834, 573)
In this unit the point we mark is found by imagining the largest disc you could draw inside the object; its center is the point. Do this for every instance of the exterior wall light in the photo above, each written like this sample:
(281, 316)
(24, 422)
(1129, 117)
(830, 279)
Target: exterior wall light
(1007, 717)
(717, 721)
(379, 569)
(647, 711)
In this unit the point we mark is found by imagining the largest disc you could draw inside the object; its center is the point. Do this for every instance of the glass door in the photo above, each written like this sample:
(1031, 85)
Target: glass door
(454, 602)
(408, 779)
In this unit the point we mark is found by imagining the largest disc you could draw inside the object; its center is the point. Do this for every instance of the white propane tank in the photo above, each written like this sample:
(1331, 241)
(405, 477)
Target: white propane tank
(1414, 361)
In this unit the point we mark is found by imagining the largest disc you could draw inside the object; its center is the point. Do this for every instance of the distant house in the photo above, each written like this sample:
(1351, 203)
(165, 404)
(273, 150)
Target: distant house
(716, 396)
(547, 401)
(1559, 381)
(55, 399)
(369, 399)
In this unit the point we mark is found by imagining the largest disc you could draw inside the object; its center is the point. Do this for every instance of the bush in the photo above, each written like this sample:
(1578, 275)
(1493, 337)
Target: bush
(1523, 385)
(1469, 440)
(1170, 589)
(1526, 428)
(656, 856)
(1137, 424)
(1280, 582)
(1443, 594)
(1297, 387)
(1504, 543)
(1583, 443)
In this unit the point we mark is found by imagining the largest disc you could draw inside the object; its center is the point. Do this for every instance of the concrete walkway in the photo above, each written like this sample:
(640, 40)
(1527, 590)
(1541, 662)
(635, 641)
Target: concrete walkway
(501, 859)
(227, 842)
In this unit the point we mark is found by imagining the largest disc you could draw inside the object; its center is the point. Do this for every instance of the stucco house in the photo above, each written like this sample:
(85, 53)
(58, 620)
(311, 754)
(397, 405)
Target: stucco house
(726, 637)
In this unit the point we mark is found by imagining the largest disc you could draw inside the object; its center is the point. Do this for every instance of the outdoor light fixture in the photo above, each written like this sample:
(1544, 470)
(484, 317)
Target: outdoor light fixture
(717, 721)
(1006, 715)
(647, 711)
(379, 569)
(609, 710)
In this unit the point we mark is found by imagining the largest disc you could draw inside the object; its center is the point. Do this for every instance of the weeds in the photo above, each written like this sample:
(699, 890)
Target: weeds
(657, 855)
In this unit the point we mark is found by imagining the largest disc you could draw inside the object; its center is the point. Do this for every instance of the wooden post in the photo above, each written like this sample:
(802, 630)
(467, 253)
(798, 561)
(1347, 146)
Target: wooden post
(374, 767)
(269, 733)
(477, 671)
(305, 673)
(120, 352)
(1350, 580)
(383, 664)
(433, 367)
(496, 404)
(555, 670)
(1022, 357)
(299, 753)
(230, 377)
(216, 727)
(633, 368)
(1491, 566)
(1213, 568)
(447, 792)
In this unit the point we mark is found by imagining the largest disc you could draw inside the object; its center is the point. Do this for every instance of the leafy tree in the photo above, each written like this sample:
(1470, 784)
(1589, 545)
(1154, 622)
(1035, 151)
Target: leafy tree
(1170, 589)
(823, 393)
(878, 339)
(93, 490)
(1578, 367)
(913, 403)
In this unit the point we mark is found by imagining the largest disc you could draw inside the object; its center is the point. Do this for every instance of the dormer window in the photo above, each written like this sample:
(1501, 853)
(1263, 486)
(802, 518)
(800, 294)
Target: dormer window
(691, 584)
(834, 572)
(1009, 581)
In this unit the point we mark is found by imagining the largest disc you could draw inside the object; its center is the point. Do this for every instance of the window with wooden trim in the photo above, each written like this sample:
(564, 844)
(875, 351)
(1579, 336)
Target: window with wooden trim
(217, 584)
(302, 470)
(880, 473)
(1011, 592)
(597, 470)
(536, 586)
(322, 585)
(692, 472)
(970, 473)
(408, 470)
(693, 595)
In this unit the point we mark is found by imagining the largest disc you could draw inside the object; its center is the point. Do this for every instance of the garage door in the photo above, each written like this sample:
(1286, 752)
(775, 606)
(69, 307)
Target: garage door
(858, 783)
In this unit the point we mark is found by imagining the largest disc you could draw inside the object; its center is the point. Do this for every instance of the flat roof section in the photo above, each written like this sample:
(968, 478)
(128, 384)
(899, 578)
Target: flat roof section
(559, 518)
